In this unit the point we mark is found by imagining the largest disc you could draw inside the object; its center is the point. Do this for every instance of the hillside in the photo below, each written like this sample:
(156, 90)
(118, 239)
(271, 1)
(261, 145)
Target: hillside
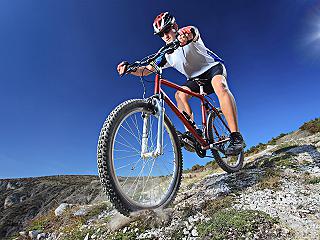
(275, 196)
(23, 199)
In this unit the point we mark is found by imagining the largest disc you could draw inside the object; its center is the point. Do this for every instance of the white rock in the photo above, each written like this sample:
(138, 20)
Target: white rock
(23, 233)
(185, 231)
(194, 232)
(86, 237)
(62, 208)
(41, 236)
(82, 211)
(33, 234)
(189, 227)
(11, 186)
(11, 200)
(83, 227)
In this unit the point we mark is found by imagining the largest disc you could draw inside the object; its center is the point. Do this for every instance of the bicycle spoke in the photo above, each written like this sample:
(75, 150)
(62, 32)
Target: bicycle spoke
(131, 132)
(127, 146)
(161, 171)
(141, 171)
(127, 142)
(137, 127)
(149, 175)
(131, 171)
(123, 166)
(139, 137)
(126, 157)
(121, 150)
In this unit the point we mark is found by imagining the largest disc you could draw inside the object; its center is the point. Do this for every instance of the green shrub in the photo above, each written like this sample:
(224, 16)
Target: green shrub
(312, 126)
(271, 180)
(233, 224)
(313, 180)
(262, 146)
(218, 204)
(43, 222)
(273, 141)
(196, 167)
(255, 149)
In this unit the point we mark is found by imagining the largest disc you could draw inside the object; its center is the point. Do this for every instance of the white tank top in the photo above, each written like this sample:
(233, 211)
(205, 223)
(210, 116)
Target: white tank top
(193, 59)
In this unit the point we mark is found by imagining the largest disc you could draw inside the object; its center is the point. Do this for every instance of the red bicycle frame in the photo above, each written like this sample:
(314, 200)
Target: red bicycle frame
(204, 108)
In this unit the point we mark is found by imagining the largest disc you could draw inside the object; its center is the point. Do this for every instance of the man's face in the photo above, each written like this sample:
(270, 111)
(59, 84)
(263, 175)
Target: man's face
(168, 34)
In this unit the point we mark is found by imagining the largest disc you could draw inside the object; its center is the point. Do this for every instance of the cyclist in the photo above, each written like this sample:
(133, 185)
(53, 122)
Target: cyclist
(194, 60)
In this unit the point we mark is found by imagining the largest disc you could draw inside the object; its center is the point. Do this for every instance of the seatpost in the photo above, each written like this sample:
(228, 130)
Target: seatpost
(201, 90)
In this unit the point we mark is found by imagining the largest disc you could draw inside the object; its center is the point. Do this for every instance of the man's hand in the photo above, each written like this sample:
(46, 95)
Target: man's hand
(185, 35)
(122, 67)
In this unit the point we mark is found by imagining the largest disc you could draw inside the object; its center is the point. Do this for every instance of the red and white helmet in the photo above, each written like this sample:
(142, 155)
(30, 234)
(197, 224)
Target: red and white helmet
(162, 21)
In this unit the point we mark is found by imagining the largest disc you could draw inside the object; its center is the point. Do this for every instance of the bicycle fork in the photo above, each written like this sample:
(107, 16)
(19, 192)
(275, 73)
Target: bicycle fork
(160, 110)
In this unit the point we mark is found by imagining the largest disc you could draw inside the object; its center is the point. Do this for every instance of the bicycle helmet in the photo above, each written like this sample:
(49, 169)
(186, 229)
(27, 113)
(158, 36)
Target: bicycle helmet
(162, 21)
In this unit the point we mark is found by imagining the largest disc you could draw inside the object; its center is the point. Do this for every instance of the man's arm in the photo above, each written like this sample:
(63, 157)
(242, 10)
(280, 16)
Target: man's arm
(143, 71)
(187, 35)
(140, 71)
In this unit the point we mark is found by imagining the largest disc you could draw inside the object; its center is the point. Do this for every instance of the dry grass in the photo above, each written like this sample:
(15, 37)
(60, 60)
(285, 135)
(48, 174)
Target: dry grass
(312, 126)
(271, 180)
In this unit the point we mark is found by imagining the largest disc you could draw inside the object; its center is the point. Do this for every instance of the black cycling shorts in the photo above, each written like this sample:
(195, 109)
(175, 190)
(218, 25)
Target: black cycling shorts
(218, 69)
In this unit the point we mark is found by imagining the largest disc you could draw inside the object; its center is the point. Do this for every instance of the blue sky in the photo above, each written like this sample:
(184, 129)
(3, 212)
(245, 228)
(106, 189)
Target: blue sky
(59, 81)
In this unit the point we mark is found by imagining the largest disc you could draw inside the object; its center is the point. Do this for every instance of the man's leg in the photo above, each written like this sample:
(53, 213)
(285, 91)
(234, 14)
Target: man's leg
(187, 139)
(183, 102)
(229, 109)
(226, 100)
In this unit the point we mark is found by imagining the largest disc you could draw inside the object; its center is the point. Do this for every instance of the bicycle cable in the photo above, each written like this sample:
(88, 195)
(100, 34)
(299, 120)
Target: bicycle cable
(143, 79)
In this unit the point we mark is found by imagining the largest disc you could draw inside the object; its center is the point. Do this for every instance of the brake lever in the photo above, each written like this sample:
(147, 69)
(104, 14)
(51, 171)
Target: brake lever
(168, 49)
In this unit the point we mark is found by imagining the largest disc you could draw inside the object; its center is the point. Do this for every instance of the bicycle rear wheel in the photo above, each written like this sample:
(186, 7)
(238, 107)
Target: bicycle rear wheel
(218, 132)
(131, 181)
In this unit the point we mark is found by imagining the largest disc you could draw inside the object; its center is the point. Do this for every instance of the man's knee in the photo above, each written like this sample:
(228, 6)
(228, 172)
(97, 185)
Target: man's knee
(182, 96)
(177, 95)
(220, 85)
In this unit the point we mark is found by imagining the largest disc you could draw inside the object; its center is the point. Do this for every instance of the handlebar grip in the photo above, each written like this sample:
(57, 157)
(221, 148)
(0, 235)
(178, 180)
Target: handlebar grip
(130, 68)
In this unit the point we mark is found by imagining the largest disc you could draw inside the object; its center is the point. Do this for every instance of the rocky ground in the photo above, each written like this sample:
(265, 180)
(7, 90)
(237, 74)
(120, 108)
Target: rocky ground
(26, 198)
(275, 196)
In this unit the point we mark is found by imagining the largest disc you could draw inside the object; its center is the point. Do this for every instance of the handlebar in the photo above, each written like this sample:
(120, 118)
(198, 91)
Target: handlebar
(167, 49)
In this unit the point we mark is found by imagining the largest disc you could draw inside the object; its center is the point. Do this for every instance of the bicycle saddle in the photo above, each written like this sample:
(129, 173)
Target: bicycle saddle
(200, 81)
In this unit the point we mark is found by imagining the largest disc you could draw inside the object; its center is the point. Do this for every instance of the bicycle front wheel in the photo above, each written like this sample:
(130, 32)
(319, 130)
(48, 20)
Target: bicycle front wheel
(131, 180)
(218, 132)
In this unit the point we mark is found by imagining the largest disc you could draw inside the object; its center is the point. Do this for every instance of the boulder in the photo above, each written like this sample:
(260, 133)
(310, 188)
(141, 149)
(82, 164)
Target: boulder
(11, 200)
(11, 186)
(33, 234)
(41, 236)
(62, 208)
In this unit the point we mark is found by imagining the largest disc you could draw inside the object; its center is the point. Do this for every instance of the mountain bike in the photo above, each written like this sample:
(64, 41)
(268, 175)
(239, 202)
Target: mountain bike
(139, 151)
